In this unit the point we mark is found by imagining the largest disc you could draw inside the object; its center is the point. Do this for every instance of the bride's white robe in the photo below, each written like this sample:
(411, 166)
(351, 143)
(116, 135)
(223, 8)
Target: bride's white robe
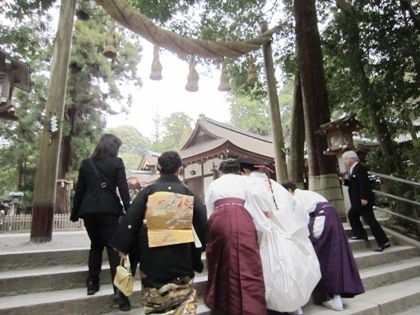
(290, 265)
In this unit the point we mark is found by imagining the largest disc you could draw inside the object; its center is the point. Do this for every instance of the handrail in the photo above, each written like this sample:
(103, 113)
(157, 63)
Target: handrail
(398, 215)
(405, 181)
(396, 197)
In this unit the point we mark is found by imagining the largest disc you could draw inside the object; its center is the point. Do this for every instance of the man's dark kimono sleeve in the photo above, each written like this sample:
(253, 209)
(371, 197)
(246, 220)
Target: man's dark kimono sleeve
(125, 236)
(200, 225)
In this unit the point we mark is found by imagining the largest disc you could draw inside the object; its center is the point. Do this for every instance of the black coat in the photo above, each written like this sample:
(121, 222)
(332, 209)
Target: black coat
(91, 198)
(359, 187)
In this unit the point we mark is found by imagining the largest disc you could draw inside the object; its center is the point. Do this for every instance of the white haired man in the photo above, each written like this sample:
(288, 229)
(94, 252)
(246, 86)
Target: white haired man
(362, 201)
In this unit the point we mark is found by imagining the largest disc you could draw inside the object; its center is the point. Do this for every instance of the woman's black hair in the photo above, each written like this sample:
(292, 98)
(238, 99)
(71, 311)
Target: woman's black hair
(289, 185)
(230, 167)
(248, 163)
(108, 145)
(169, 162)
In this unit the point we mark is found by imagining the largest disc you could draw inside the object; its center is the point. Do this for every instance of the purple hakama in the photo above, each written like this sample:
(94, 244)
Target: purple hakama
(340, 274)
(235, 277)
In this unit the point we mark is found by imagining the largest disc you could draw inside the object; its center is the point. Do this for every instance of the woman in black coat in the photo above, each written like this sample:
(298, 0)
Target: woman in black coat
(97, 203)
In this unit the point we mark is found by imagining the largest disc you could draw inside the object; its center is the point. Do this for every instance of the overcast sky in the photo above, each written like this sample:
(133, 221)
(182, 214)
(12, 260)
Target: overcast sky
(169, 95)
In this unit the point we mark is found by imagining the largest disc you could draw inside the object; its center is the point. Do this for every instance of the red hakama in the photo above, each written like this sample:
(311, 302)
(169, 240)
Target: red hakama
(235, 277)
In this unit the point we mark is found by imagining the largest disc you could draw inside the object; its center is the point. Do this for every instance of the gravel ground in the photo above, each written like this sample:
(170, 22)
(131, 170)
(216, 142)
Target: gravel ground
(17, 242)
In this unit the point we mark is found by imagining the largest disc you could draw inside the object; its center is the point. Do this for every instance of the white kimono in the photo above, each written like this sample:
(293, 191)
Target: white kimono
(290, 265)
(226, 186)
(307, 200)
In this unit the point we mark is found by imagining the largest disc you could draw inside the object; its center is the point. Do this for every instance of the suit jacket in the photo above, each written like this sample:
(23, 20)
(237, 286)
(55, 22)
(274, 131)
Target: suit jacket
(359, 187)
(91, 198)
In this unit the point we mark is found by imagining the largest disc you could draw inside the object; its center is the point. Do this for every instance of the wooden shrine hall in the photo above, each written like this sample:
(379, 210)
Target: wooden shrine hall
(212, 142)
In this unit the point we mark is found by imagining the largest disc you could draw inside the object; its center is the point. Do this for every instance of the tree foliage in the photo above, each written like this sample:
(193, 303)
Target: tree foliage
(177, 131)
(250, 115)
(94, 84)
(134, 144)
(381, 86)
(389, 59)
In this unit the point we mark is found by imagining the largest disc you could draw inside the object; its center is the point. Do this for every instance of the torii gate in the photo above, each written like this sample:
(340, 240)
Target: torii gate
(121, 11)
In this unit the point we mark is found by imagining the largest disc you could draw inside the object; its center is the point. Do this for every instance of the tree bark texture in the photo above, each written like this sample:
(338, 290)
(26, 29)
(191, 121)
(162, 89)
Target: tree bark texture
(322, 168)
(296, 162)
(314, 90)
(45, 184)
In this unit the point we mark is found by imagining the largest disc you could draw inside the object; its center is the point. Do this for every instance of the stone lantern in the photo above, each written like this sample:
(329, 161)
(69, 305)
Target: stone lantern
(339, 135)
(15, 200)
(12, 73)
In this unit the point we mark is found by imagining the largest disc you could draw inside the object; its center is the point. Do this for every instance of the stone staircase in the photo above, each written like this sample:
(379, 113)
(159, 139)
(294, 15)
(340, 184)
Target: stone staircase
(53, 282)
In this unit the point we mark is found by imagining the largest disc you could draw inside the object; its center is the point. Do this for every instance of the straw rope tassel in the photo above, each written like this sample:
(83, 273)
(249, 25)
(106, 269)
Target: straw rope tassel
(193, 77)
(156, 73)
(252, 72)
(224, 85)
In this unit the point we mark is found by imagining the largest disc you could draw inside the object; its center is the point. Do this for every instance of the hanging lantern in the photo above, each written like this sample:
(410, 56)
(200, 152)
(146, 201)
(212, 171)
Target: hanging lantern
(110, 50)
(156, 73)
(192, 84)
(252, 72)
(224, 85)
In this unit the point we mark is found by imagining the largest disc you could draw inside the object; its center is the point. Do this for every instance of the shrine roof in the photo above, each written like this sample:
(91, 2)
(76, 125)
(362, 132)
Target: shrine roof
(210, 137)
(21, 71)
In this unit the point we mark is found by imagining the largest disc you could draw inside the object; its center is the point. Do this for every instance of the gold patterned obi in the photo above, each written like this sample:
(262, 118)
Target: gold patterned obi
(169, 219)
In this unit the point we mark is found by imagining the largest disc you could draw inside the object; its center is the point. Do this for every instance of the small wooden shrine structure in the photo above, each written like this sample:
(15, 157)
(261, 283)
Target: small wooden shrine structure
(12, 73)
(212, 142)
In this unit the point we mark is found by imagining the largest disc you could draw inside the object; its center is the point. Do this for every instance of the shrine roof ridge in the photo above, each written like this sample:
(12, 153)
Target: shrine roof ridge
(235, 129)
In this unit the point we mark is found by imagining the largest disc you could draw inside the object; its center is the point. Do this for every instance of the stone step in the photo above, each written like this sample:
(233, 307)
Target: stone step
(47, 285)
(60, 287)
(15, 282)
(76, 301)
(375, 301)
(386, 300)
(39, 259)
(22, 260)
(378, 276)
(360, 245)
(23, 281)
(369, 258)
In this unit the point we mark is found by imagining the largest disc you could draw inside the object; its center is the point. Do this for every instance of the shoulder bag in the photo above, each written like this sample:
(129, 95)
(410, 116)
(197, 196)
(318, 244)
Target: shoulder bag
(104, 184)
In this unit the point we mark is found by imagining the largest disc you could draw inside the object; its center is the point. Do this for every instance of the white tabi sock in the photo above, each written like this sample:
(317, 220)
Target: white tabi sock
(338, 301)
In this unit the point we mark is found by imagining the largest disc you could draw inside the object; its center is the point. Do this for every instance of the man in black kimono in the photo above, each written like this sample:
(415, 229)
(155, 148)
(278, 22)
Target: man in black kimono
(167, 224)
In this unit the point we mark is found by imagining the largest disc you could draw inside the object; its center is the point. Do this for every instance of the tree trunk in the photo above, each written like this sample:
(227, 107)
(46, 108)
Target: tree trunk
(296, 163)
(322, 168)
(46, 176)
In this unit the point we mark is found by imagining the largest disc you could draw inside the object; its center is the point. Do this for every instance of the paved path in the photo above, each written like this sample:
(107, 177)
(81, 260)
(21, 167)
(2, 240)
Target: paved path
(19, 242)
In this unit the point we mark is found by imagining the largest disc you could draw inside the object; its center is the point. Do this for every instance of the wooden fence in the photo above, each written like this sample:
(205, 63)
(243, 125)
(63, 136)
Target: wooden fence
(23, 222)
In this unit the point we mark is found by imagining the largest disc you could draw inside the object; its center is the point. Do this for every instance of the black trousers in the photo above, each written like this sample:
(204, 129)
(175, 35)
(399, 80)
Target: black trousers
(356, 224)
(100, 228)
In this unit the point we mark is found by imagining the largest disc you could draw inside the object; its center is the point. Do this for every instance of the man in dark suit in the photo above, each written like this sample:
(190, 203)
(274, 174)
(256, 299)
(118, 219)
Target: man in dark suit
(362, 201)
